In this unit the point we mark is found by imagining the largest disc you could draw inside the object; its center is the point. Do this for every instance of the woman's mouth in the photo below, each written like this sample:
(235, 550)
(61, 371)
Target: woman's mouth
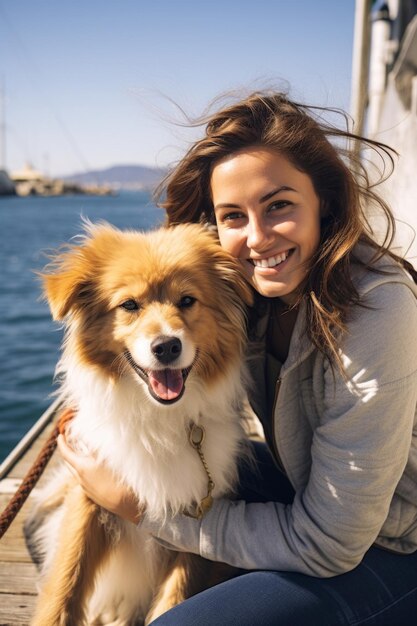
(272, 261)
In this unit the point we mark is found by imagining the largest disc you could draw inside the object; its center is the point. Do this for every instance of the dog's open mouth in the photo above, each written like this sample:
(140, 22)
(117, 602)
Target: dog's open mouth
(165, 385)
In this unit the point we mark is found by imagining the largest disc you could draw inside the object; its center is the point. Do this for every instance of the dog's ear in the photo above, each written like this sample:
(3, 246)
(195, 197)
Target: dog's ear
(67, 282)
(70, 280)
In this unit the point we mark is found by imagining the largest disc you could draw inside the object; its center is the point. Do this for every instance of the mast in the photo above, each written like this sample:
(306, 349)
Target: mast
(360, 64)
(2, 126)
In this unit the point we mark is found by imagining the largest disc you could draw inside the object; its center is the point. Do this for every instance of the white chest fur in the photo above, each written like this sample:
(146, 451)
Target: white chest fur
(147, 445)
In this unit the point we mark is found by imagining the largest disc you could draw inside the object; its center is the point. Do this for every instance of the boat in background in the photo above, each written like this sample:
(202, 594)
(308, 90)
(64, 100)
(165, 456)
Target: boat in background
(30, 182)
(7, 187)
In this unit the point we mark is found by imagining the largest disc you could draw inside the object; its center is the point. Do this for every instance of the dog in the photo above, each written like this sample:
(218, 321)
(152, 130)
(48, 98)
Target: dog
(152, 363)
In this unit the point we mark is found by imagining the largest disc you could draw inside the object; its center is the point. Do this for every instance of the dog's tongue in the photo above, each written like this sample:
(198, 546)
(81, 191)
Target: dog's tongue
(166, 384)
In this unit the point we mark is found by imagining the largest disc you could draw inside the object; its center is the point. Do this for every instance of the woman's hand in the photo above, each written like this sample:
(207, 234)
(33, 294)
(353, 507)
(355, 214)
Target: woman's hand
(100, 484)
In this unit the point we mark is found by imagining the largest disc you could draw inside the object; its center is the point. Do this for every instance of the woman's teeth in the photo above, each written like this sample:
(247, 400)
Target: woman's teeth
(272, 261)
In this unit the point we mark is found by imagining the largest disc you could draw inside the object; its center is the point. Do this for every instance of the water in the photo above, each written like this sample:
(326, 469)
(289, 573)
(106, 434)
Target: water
(29, 340)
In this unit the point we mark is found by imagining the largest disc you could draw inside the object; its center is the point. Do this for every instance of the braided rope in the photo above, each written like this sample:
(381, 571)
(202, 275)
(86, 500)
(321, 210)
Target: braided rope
(34, 473)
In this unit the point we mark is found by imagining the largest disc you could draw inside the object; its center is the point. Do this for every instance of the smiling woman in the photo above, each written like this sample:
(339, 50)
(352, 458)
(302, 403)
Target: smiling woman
(333, 338)
(268, 216)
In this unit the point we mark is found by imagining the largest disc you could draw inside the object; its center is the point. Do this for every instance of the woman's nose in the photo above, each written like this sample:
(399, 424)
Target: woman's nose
(258, 235)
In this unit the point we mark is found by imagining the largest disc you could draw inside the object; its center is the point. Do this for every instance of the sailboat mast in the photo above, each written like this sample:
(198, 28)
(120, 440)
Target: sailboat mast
(2, 127)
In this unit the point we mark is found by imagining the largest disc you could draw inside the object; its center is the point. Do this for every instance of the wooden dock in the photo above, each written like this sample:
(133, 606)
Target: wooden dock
(18, 575)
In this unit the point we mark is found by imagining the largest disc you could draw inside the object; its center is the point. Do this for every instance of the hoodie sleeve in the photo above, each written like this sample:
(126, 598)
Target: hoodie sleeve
(358, 454)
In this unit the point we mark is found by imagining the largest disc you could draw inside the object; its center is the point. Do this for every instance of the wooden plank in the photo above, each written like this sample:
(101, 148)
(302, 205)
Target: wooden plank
(12, 545)
(22, 466)
(16, 610)
(8, 486)
(18, 576)
(28, 439)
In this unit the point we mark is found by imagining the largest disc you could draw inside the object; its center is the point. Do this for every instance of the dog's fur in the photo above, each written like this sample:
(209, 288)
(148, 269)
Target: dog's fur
(155, 333)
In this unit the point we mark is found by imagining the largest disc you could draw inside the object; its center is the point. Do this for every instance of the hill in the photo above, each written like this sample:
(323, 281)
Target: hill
(132, 177)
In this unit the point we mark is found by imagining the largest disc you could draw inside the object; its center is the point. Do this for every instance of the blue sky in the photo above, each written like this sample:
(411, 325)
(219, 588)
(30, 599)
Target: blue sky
(87, 82)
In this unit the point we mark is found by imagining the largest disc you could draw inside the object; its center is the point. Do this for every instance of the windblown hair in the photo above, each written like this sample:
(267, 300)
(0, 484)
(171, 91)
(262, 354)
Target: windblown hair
(340, 180)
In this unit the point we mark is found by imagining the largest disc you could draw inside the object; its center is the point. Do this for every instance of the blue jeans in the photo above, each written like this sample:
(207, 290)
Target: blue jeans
(381, 591)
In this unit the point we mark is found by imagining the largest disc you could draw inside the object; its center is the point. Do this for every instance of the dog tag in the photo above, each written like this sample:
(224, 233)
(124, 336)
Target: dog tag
(196, 436)
(199, 510)
(205, 506)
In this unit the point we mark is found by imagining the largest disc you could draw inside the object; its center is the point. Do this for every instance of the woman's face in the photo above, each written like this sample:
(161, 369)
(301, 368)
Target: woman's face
(268, 216)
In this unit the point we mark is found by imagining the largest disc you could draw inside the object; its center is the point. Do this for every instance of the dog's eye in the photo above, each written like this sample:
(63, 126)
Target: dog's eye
(186, 302)
(130, 305)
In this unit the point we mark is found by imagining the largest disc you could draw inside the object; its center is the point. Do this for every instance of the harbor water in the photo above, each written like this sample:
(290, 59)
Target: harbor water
(29, 340)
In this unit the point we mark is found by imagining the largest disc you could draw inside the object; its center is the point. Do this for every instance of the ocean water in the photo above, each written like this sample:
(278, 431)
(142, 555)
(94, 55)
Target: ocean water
(29, 340)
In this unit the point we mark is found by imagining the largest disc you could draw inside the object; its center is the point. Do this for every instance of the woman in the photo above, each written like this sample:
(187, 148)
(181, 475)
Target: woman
(328, 529)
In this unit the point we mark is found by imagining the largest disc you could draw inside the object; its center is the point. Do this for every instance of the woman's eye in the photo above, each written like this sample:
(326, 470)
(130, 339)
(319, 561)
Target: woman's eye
(229, 217)
(279, 204)
(130, 305)
(186, 302)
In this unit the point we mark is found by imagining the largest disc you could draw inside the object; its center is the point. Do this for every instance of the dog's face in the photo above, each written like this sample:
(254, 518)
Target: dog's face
(160, 306)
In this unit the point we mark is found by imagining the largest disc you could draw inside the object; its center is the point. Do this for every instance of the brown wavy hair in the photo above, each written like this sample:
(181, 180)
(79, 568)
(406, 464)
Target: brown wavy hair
(340, 180)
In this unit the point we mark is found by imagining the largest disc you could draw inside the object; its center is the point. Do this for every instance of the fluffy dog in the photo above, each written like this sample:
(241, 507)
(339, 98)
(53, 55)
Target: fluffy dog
(152, 364)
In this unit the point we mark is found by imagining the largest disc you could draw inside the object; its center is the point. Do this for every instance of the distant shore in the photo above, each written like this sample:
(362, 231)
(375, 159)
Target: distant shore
(109, 181)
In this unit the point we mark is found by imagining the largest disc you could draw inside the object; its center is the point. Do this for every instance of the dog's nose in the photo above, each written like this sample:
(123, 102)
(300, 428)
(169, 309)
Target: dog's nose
(166, 349)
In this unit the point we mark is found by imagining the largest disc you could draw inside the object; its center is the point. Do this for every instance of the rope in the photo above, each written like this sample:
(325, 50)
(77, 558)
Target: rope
(34, 473)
